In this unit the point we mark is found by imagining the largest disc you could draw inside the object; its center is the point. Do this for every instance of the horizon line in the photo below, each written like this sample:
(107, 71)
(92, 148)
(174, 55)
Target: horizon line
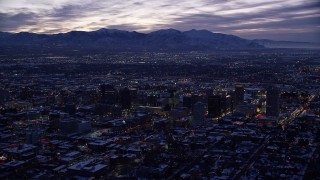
(148, 32)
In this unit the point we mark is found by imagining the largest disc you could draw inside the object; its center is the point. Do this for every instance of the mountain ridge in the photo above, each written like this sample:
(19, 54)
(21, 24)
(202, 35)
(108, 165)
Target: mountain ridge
(163, 39)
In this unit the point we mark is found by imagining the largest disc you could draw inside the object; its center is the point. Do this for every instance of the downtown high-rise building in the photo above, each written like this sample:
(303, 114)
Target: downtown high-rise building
(108, 94)
(198, 113)
(273, 101)
(214, 106)
(125, 98)
(238, 94)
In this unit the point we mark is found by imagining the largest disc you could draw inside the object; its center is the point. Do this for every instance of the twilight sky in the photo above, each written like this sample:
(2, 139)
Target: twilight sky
(296, 20)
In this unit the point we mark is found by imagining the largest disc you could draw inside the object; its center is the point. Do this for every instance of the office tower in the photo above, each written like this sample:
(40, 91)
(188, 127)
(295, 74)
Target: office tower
(70, 126)
(187, 101)
(238, 94)
(84, 127)
(273, 101)
(152, 100)
(133, 95)
(172, 93)
(125, 98)
(70, 108)
(195, 98)
(225, 101)
(231, 100)
(198, 113)
(108, 94)
(54, 118)
(26, 93)
(174, 99)
(32, 136)
(214, 106)
(4, 96)
(102, 92)
(209, 92)
(226, 104)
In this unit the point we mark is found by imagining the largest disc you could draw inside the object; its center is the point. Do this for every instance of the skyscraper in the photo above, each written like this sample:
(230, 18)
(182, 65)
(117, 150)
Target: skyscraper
(214, 106)
(226, 103)
(187, 101)
(239, 94)
(273, 101)
(108, 94)
(4, 96)
(125, 98)
(32, 136)
(198, 113)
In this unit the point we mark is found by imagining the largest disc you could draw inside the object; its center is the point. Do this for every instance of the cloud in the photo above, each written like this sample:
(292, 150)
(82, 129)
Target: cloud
(128, 27)
(66, 12)
(10, 22)
(302, 19)
(241, 17)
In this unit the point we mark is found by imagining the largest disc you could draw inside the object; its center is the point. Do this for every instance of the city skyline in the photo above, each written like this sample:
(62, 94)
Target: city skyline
(296, 20)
